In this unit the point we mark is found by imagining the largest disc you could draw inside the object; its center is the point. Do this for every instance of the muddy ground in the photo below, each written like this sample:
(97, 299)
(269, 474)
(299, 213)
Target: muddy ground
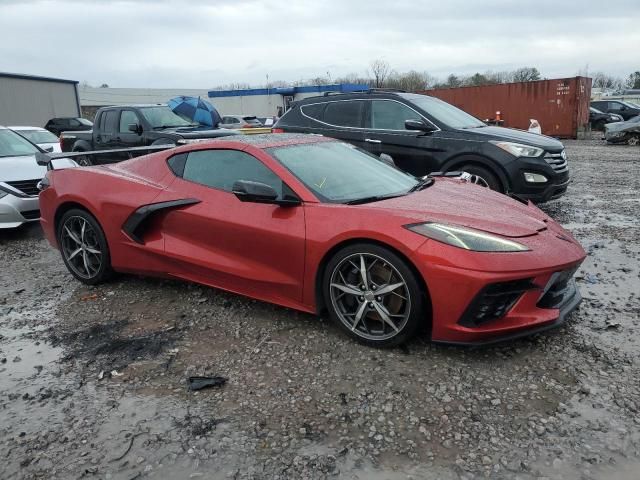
(93, 380)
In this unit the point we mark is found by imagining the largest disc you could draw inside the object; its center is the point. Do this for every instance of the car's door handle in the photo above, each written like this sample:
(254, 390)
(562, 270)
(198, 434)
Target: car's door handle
(372, 140)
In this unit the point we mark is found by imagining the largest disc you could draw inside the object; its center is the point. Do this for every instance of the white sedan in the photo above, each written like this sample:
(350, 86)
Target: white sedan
(41, 137)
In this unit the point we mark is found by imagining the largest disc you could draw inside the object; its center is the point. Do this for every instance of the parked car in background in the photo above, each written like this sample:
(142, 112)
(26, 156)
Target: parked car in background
(129, 126)
(41, 137)
(423, 134)
(598, 119)
(268, 121)
(624, 132)
(68, 124)
(240, 121)
(315, 224)
(19, 177)
(626, 110)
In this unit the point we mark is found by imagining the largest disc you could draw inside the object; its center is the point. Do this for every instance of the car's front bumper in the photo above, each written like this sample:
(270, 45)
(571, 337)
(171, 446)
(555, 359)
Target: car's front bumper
(14, 211)
(459, 282)
(553, 188)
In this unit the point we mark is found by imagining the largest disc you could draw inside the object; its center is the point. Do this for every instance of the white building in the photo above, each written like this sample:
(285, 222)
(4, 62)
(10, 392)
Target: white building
(33, 101)
(262, 102)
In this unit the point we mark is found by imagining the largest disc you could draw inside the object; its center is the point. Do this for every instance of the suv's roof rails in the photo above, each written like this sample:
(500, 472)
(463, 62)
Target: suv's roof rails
(333, 92)
(375, 90)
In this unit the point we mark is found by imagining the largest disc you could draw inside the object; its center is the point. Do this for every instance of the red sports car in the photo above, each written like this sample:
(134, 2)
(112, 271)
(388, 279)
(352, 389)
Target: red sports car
(318, 225)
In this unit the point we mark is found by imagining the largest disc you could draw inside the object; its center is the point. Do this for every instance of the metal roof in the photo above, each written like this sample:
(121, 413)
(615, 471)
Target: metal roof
(36, 77)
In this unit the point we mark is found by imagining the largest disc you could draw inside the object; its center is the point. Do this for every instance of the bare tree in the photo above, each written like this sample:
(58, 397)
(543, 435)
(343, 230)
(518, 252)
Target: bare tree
(379, 71)
(606, 82)
(633, 81)
(526, 74)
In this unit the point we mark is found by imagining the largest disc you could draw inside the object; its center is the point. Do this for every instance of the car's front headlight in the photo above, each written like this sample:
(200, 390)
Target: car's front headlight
(518, 149)
(467, 238)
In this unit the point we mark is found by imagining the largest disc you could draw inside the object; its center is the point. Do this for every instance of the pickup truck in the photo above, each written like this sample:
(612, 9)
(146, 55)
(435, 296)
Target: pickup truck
(128, 126)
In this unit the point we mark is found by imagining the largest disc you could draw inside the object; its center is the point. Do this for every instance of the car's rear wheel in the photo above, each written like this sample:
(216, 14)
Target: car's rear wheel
(373, 295)
(482, 176)
(634, 140)
(83, 246)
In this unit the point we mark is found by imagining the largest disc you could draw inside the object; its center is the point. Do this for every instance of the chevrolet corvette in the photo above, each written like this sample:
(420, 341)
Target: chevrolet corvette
(318, 225)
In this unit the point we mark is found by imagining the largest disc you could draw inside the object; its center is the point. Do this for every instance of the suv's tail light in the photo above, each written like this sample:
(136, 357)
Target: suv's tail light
(277, 130)
(60, 140)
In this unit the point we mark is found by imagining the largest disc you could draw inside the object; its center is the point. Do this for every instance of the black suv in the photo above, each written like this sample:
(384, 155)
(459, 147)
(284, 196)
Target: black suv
(625, 109)
(423, 134)
(67, 124)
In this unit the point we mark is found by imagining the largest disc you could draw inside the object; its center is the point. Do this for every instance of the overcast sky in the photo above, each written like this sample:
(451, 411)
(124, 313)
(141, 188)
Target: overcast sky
(205, 43)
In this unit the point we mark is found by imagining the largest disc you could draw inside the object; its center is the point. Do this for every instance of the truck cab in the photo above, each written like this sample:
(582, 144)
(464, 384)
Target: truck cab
(130, 126)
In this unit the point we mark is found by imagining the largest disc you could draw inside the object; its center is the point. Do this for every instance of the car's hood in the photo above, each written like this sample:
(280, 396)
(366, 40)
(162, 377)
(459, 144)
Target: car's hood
(518, 136)
(20, 168)
(455, 202)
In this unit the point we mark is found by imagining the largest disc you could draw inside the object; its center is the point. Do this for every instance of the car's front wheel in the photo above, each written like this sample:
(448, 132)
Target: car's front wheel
(483, 177)
(83, 246)
(373, 295)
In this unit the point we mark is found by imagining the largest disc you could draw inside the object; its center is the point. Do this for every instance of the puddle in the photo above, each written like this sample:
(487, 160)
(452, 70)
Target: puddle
(24, 358)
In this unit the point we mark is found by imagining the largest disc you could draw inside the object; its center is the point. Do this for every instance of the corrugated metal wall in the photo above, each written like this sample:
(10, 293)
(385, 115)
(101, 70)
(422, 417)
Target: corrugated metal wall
(33, 102)
(560, 105)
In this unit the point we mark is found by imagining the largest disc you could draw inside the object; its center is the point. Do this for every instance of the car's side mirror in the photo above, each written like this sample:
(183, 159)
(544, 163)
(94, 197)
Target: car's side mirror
(256, 192)
(49, 149)
(419, 125)
(623, 107)
(135, 128)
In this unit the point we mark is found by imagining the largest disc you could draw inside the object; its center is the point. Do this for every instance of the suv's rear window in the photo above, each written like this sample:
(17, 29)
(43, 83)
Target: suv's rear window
(346, 113)
(314, 110)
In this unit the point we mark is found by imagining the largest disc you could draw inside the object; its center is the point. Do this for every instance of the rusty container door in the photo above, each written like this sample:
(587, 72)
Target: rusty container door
(561, 106)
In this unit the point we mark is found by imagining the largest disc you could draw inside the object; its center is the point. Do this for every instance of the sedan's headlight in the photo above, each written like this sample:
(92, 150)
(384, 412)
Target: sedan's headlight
(518, 149)
(467, 238)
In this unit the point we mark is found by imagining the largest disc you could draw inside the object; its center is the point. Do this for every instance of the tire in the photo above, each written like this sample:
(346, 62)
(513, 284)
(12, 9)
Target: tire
(84, 250)
(83, 160)
(633, 140)
(484, 175)
(369, 317)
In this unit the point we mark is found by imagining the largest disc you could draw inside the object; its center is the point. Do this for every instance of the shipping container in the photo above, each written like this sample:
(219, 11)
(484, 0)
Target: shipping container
(561, 106)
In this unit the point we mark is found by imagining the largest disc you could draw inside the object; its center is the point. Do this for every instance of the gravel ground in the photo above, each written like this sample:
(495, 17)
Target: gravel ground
(93, 380)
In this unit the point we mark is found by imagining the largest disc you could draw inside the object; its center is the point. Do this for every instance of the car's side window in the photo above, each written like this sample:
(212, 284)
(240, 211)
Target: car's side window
(110, 121)
(346, 113)
(615, 106)
(74, 123)
(222, 168)
(127, 117)
(390, 115)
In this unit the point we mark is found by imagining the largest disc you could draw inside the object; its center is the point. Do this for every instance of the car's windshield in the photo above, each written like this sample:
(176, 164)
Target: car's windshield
(594, 110)
(444, 112)
(164, 117)
(13, 145)
(338, 172)
(38, 136)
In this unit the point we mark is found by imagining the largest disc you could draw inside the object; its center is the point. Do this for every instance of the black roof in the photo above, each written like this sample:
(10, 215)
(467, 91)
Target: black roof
(36, 77)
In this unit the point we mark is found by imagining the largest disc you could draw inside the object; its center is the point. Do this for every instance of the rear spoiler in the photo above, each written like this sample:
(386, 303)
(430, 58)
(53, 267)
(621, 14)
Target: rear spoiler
(45, 158)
